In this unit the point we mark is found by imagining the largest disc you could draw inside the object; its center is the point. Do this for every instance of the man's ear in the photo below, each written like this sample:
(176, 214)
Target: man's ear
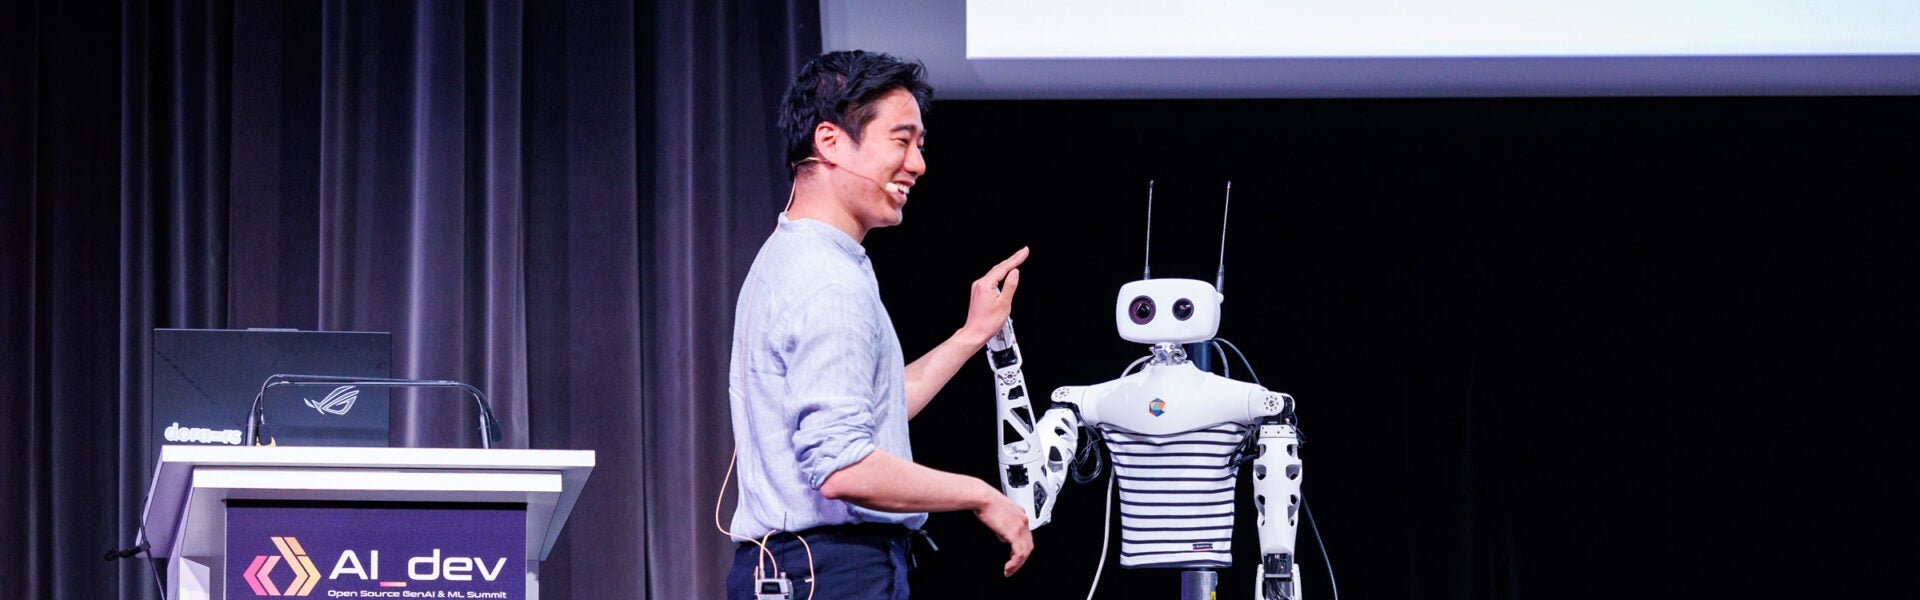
(828, 140)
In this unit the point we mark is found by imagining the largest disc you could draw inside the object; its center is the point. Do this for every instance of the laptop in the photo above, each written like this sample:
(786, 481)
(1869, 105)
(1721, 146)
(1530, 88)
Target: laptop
(204, 381)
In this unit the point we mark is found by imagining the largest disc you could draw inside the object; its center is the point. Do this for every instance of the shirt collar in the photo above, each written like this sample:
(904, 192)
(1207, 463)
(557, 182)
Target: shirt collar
(817, 229)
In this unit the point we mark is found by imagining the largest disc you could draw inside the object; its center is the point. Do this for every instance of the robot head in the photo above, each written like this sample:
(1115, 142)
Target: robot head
(1167, 311)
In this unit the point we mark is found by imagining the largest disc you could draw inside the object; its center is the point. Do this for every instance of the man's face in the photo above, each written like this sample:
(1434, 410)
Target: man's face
(887, 156)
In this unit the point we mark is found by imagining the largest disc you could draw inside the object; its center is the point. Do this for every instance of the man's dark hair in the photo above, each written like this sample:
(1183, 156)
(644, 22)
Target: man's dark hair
(842, 88)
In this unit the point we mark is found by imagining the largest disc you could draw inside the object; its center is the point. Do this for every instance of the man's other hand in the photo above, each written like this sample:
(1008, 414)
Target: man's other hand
(992, 299)
(1008, 522)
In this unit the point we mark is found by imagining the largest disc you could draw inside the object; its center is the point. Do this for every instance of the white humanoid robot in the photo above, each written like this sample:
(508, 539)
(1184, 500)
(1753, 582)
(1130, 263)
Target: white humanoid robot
(1177, 436)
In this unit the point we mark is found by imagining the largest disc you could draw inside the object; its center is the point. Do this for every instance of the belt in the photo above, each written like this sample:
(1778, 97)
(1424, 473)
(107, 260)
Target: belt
(873, 529)
(918, 542)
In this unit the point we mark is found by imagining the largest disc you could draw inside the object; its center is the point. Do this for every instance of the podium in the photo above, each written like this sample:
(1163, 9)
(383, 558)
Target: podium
(239, 522)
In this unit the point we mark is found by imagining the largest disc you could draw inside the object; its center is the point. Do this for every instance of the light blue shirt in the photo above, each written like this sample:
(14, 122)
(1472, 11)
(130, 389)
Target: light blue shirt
(817, 380)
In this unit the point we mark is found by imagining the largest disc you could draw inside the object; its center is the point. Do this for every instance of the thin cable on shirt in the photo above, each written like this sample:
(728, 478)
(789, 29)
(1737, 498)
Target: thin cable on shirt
(1106, 534)
(812, 578)
(803, 544)
(793, 188)
(757, 574)
(722, 495)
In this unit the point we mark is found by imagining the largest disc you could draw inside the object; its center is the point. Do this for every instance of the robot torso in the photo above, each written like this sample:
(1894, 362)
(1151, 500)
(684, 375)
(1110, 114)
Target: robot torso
(1173, 432)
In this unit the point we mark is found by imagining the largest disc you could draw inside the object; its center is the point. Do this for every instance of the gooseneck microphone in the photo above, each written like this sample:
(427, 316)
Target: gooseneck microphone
(256, 416)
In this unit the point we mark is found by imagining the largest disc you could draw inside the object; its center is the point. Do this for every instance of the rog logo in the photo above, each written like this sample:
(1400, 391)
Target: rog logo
(337, 402)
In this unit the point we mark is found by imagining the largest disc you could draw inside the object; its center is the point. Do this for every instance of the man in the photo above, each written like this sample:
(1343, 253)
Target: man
(818, 386)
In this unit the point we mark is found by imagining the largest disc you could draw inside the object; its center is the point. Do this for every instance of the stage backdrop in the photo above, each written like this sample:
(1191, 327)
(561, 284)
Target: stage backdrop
(550, 200)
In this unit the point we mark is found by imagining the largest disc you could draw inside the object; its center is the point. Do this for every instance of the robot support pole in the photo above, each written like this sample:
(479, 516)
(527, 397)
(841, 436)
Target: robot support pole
(1033, 454)
(1276, 489)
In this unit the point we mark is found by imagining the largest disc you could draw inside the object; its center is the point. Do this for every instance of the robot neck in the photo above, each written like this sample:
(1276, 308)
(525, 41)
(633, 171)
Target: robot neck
(1168, 354)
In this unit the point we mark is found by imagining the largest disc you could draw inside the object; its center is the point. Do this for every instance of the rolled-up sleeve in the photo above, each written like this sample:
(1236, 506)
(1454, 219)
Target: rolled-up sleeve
(830, 380)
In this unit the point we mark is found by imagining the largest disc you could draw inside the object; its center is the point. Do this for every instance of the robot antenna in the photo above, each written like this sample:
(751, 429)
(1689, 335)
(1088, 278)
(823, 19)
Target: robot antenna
(1220, 276)
(1146, 270)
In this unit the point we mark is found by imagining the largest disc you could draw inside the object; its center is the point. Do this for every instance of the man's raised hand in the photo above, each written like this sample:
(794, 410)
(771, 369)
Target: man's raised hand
(992, 298)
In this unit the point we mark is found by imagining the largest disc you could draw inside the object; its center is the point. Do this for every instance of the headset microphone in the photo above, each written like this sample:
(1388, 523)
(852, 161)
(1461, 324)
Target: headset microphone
(890, 187)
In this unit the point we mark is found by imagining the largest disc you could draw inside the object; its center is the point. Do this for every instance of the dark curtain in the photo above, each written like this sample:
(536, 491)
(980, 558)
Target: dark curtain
(552, 201)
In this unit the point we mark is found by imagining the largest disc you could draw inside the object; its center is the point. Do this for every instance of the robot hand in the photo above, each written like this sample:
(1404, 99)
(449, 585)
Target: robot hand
(1033, 454)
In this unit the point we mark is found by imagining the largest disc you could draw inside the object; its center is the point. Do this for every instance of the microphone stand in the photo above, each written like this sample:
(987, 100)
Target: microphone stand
(489, 428)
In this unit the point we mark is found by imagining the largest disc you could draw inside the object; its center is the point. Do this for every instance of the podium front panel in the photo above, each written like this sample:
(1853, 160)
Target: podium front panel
(317, 549)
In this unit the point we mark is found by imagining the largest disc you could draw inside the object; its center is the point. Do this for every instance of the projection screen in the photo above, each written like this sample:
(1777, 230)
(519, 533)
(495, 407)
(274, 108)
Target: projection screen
(988, 49)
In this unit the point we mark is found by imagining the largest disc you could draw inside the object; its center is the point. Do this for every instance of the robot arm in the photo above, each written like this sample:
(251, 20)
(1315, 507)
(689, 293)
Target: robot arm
(1033, 454)
(1276, 501)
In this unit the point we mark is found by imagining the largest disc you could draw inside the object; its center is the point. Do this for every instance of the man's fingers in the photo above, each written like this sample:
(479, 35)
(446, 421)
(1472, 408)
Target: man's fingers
(999, 271)
(1012, 530)
(1019, 256)
(1022, 548)
(1013, 283)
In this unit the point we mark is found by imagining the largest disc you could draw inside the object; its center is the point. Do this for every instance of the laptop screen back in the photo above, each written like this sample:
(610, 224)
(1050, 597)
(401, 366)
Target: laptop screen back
(204, 380)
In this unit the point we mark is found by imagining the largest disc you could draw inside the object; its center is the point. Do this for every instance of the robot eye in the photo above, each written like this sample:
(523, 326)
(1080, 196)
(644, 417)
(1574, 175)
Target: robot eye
(1183, 309)
(1141, 311)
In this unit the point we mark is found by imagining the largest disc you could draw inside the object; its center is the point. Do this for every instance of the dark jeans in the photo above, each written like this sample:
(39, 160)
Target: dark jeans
(850, 562)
